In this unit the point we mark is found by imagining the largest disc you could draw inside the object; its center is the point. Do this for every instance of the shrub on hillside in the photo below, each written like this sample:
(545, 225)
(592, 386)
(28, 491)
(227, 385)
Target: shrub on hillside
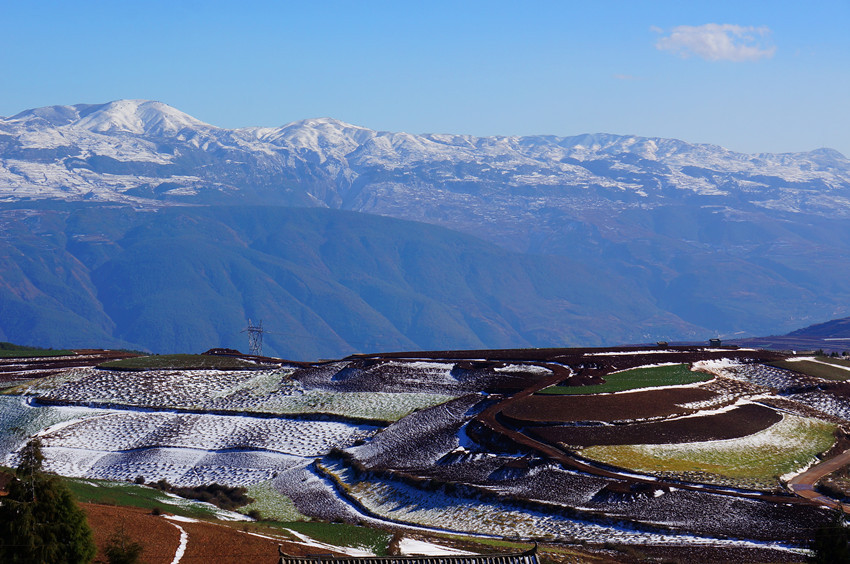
(225, 497)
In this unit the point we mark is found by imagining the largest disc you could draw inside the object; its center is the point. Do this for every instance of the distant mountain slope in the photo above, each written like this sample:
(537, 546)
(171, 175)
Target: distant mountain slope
(830, 336)
(326, 283)
(835, 329)
(734, 243)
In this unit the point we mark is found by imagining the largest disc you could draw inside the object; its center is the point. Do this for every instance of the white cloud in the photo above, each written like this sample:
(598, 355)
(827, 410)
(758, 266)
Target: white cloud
(718, 42)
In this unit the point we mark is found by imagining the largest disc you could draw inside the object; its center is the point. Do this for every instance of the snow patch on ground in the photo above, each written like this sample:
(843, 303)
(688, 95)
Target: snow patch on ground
(181, 549)
(181, 519)
(630, 353)
(524, 369)
(307, 541)
(642, 366)
(719, 367)
(784, 478)
(412, 547)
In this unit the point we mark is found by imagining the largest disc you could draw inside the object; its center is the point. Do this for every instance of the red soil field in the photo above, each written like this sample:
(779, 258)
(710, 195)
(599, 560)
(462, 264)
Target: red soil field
(157, 536)
(738, 422)
(604, 407)
(209, 543)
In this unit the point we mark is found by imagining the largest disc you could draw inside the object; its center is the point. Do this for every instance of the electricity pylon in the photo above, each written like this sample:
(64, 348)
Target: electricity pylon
(255, 337)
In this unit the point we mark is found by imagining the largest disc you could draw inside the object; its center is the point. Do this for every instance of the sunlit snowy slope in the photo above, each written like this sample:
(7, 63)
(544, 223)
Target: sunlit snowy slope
(135, 150)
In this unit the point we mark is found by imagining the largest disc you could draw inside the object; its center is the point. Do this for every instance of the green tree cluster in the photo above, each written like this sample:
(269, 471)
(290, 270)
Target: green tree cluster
(40, 521)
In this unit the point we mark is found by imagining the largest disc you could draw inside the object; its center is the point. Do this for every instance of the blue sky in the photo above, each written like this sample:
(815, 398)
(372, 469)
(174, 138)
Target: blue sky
(767, 76)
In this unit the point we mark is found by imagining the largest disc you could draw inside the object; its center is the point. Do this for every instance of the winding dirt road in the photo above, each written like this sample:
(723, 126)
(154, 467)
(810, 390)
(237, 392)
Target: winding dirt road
(803, 484)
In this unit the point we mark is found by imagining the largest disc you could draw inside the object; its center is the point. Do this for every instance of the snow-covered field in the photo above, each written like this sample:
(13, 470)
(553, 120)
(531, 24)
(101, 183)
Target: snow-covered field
(19, 421)
(762, 375)
(183, 448)
(180, 389)
(827, 403)
(179, 467)
(134, 430)
(397, 500)
(267, 391)
(384, 406)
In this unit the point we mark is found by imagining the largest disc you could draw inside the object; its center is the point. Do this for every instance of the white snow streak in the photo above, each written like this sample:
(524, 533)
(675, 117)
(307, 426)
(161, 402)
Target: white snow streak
(418, 547)
(184, 540)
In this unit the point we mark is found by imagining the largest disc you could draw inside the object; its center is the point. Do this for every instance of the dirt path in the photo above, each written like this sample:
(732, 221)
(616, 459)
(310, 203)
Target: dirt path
(803, 484)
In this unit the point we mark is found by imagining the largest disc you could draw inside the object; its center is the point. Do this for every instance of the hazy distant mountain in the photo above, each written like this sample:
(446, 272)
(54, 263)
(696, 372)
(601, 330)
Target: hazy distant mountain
(720, 242)
(835, 329)
(324, 282)
(830, 336)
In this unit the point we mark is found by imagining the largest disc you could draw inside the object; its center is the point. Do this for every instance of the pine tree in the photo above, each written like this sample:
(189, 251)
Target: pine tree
(120, 549)
(40, 521)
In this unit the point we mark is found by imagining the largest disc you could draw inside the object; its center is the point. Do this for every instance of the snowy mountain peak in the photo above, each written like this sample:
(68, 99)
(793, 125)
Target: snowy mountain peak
(137, 117)
(139, 150)
(318, 135)
(331, 128)
(54, 116)
(827, 153)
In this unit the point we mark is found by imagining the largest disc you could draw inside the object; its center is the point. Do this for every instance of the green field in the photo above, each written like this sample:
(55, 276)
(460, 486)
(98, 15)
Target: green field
(179, 362)
(756, 459)
(342, 534)
(818, 369)
(11, 350)
(271, 504)
(672, 375)
(125, 494)
(834, 360)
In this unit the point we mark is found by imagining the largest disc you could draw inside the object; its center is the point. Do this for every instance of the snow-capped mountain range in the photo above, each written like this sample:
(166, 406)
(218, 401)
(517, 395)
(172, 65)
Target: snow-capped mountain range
(696, 237)
(143, 152)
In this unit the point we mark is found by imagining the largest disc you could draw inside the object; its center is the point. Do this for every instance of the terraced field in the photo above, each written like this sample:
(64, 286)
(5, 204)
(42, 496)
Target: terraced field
(733, 423)
(269, 391)
(637, 405)
(626, 446)
(636, 378)
(823, 367)
(753, 460)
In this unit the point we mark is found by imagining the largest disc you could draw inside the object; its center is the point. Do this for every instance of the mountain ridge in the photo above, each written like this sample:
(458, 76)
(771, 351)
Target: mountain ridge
(350, 152)
(154, 111)
(730, 243)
